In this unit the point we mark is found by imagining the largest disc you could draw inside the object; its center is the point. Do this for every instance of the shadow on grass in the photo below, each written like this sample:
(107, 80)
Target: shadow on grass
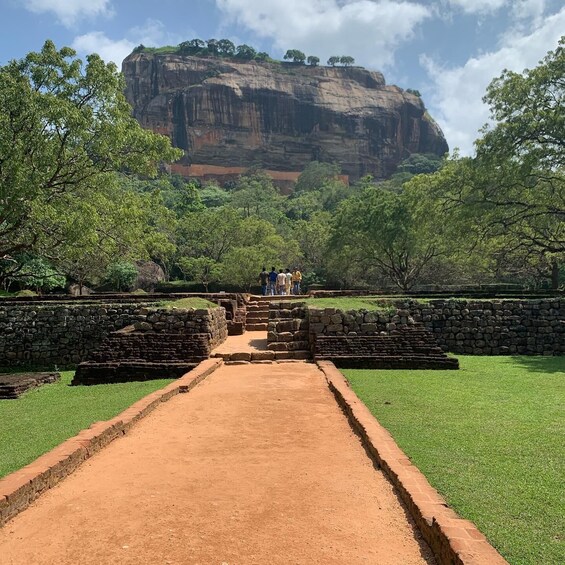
(540, 364)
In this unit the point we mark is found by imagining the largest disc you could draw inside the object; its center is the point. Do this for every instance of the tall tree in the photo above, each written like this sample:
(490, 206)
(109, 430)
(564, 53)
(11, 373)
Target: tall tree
(65, 127)
(378, 229)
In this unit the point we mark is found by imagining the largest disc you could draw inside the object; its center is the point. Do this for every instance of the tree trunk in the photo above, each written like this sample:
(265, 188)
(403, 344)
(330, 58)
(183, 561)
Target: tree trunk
(554, 274)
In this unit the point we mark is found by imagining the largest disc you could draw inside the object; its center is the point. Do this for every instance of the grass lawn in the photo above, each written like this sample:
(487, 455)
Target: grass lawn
(347, 303)
(186, 304)
(43, 418)
(490, 438)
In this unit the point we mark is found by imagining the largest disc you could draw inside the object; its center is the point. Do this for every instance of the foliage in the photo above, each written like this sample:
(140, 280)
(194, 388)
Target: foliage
(245, 52)
(201, 269)
(296, 56)
(64, 129)
(420, 163)
(34, 272)
(414, 92)
(313, 61)
(315, 174)
(121, 275)
(488, 437)
(378, 229)
(45, 417)
(507, 205)
(256, 195)
(334, 60)
(346, 60)
(212, 196)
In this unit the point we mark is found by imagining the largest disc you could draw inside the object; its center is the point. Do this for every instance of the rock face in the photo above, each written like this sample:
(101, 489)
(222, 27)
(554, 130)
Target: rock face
(229, 114)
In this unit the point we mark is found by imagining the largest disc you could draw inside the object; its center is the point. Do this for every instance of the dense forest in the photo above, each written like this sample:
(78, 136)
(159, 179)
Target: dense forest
(83, 197)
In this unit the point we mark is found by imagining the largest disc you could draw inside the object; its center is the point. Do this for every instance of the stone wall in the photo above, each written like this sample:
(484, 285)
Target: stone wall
(409, 347)
(481, 327)
(50, 334)
(523, 327)
(287, 330)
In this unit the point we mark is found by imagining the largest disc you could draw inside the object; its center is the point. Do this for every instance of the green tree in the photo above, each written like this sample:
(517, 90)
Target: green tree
(256, 195)
(213, 47)
(202, 269)
(315, 174)
(313, 61)
(210, 233)
(379, 230)
(226, 48)
(121, 275)
(245, 52)
(65, 128)
(346, 60)
(262, 56)
(113, 222)
(192, 46)
(36, 273)
(295, 55)
(334, 60)
(511, 197)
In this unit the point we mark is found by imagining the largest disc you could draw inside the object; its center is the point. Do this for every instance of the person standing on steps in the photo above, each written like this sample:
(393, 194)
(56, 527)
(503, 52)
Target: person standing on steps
(296, 280)
(264, 280)
(281, 281)
(288, 281)
(272, 281)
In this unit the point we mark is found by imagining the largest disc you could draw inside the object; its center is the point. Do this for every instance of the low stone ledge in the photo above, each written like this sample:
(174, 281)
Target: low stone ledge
(453, 540)
(12, 386)
(19, 489)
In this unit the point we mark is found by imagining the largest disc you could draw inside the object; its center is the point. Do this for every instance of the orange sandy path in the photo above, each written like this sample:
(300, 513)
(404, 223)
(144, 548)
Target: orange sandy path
(256, 465)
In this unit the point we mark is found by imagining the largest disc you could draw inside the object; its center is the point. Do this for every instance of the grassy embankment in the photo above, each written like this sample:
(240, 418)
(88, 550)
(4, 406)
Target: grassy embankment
(186, 304)
(43, 418)
(490, 439)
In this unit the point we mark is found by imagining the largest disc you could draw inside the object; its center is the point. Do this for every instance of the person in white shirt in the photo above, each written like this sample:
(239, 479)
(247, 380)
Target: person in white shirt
(281, 282)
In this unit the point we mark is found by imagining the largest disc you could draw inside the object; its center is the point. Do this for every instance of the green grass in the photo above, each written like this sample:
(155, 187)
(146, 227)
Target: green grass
(490, 438)
(187, 304)
(45, 417)
(347, 303)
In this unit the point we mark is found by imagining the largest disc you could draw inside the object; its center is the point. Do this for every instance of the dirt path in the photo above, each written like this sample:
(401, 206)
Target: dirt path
(256, 465)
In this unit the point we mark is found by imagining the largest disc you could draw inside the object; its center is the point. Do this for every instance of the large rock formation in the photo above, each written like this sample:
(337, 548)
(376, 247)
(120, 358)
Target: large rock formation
(229, 114)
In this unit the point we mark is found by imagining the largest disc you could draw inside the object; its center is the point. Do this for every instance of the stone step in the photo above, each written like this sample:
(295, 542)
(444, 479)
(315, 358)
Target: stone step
(256, 327)
(255, 315)
(264, 356)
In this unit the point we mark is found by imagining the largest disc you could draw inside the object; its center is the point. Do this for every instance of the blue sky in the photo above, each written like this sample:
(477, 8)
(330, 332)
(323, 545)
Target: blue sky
(447, 49)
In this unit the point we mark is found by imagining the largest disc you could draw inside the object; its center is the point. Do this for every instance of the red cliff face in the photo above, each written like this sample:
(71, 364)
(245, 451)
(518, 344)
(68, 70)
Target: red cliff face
(229, 113)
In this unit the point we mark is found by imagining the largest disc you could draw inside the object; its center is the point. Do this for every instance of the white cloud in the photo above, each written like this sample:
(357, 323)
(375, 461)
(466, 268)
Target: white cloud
(478, 6)
(68, 12)
(528, 9)
(456, 95)
(368, 30)
(108, 49)
(152, 33)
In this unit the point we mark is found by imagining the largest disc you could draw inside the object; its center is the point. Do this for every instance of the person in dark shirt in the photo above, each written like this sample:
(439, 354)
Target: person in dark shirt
(264, 280)
(272, 281)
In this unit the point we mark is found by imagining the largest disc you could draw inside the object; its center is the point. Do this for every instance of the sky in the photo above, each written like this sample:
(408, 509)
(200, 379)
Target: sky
(449, 50)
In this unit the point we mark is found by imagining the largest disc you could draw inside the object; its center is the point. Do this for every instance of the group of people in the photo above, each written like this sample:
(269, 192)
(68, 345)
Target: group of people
(281, 283)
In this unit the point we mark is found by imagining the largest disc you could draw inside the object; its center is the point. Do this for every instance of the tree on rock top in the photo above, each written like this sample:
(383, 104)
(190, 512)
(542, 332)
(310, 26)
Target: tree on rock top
(295, 55)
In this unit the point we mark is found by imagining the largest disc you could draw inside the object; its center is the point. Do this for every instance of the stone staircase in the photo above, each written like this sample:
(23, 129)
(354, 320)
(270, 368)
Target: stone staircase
(257, 314)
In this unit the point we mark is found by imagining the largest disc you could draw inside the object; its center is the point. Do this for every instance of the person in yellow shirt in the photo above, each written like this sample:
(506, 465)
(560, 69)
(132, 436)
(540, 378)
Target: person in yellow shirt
(296, 280)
